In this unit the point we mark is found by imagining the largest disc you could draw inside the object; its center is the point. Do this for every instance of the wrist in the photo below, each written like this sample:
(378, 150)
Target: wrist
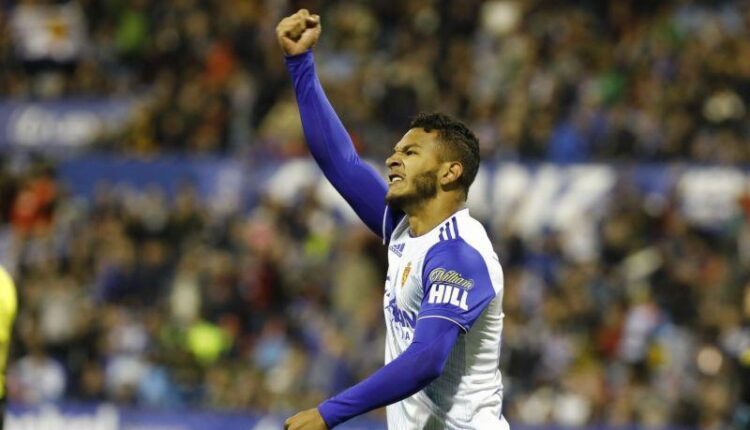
(298, 58)
(327, 412)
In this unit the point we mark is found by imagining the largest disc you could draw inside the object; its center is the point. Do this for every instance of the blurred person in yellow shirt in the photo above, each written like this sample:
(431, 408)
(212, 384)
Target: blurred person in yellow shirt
(8, 304)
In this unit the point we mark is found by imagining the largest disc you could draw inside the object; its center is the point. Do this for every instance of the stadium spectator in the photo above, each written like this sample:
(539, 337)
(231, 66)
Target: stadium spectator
(565, 81)
(604, 340)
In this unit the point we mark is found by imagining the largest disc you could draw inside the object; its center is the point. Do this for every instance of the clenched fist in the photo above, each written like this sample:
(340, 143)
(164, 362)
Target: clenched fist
(299, 32)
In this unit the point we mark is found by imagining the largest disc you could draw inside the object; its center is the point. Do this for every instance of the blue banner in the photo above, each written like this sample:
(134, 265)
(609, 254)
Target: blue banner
(224, 185)
(533, 198)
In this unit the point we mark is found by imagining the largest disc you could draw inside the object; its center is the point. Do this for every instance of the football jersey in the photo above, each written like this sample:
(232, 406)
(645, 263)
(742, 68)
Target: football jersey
(450, 272)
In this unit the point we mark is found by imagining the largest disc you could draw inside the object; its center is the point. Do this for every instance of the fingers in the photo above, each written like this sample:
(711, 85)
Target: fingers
(287, 43)
(289, 423)
(291, 27)
(310, 36)
(312, 21)
(298, 32)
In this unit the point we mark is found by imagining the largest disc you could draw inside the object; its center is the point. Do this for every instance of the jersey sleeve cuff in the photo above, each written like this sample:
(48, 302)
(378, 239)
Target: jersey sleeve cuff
(298, 58)
(448, 318)
(325, 413)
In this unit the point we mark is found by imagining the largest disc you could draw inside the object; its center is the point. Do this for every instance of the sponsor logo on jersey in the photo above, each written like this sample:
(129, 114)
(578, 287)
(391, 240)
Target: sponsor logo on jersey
(443, 276)
(405, 275)
(449, 295)
(401, 317)
(397, 248)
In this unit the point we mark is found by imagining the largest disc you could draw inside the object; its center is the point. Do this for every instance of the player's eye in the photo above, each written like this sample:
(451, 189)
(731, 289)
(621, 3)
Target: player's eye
(410, 152)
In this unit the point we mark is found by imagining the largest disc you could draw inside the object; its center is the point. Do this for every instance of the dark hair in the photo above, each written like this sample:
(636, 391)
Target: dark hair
(460, 141)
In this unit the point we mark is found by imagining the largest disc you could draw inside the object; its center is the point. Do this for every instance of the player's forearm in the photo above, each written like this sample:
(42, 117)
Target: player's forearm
(409, 373)
(326, 136)
(401, 378)
(331, 146)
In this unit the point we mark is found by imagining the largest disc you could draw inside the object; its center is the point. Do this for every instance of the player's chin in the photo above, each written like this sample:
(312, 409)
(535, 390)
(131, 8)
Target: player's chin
(396, 198)
(390, 195)
(394, 190)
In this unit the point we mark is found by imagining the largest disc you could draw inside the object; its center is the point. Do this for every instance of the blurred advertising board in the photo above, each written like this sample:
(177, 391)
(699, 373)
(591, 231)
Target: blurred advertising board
(535, 198)
(108, 417)
(532, 198)
(225, 185)
(61, 124)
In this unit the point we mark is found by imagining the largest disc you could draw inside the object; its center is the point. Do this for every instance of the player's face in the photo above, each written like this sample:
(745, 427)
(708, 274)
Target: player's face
(413, 169)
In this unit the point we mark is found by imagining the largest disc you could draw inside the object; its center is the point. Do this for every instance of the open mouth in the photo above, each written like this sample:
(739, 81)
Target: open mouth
(394, 178)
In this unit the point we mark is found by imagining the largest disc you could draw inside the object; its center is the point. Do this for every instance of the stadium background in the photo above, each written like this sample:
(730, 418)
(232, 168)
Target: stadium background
(179, 259)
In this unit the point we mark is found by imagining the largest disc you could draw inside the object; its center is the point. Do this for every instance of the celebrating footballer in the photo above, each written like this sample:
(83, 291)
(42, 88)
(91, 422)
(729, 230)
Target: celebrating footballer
(444, 285)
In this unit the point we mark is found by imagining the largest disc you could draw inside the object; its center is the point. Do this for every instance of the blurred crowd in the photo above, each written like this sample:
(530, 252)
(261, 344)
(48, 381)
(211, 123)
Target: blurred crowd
(145, 299)
(567, 81)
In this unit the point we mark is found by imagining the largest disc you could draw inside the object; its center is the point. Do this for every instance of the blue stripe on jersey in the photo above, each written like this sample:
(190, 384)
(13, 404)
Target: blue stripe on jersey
(449, 230)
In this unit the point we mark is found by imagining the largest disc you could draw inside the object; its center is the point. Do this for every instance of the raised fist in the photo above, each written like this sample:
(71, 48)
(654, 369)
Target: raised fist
(299, 32)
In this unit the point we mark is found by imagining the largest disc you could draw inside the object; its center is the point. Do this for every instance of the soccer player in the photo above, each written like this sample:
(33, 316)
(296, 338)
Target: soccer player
(443, 289)
(7, 315)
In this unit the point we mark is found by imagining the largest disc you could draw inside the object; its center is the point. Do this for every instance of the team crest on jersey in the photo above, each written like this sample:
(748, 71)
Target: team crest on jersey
(451, 277)
(405, 275)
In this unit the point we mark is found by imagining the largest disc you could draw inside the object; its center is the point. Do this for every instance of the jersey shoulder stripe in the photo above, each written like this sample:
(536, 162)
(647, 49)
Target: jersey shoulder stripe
(449, 230)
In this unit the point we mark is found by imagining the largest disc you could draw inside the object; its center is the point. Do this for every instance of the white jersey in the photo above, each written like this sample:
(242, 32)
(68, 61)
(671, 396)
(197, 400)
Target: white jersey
(452, 273)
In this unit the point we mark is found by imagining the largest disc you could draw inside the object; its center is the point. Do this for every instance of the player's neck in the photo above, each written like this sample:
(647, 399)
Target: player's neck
(430, 213)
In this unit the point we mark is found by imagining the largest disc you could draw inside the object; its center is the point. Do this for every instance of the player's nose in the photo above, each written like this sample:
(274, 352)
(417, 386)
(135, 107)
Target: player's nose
(393, 161)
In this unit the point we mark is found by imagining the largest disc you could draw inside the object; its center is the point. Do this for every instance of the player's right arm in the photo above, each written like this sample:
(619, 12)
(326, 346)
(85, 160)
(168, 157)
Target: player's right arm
(330, 145)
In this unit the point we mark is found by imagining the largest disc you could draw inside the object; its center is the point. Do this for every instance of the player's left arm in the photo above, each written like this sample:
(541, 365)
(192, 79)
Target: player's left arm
(457, 288)
(420, 364)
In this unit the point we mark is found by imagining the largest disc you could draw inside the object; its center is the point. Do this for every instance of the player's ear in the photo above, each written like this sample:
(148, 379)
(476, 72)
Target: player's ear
(450, 173)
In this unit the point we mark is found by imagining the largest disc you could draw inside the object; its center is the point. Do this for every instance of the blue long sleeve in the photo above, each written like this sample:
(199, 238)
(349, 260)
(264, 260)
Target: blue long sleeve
(331, 147)
(413, 370)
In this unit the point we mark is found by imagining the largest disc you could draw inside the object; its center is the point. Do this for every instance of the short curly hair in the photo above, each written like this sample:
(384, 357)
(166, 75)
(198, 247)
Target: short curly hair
(461, 144)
